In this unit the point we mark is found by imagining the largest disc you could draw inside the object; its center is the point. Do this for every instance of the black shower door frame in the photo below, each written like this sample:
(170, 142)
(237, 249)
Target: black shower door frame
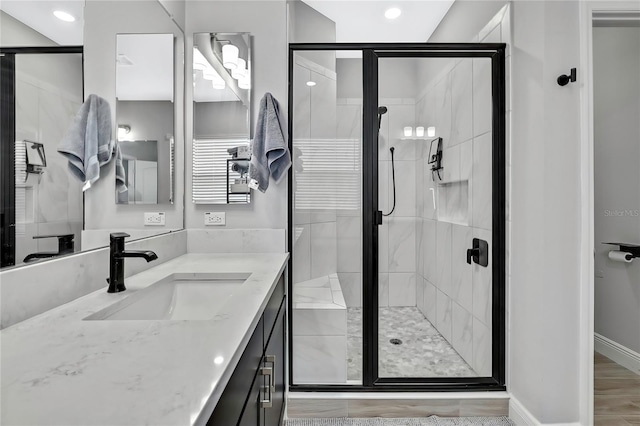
(370, 55)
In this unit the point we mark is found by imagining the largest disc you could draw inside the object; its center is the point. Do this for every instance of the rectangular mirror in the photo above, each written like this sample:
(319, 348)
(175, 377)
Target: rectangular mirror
(50, 70)
(221, 105)
(144, 111)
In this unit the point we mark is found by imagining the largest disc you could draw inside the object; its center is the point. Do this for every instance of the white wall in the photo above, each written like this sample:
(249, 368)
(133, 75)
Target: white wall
(103, 20)
(14, 33)
(544, 304)
(616, 67)
(267, 23)
(465, 19)
(220, 119)
(306, 25)
(543, 191)
(177, 10)
(151, 121)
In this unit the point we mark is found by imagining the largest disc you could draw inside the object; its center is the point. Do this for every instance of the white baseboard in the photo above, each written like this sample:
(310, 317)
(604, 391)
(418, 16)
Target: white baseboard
(620, 354)
(523, 417)
(520, 415)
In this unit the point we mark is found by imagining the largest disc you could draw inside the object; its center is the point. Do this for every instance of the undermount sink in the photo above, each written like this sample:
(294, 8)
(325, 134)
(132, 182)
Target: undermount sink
(176, 297)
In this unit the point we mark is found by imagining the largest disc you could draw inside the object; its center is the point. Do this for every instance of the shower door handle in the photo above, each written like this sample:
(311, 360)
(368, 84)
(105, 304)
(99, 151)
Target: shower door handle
(479, 252)
(379, 217)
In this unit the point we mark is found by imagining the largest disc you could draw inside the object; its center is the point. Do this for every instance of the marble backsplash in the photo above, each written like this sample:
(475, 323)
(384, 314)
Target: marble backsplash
(32, 289)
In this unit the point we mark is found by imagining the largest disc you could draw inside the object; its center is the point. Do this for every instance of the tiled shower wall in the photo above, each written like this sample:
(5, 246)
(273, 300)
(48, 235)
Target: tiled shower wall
(349, 220)
(455, 296)
(315, 239)
(397, 234)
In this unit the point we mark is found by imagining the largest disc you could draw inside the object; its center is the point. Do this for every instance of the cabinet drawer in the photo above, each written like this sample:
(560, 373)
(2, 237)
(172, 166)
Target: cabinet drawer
(272, 309)
(234, 397)
(275, 358)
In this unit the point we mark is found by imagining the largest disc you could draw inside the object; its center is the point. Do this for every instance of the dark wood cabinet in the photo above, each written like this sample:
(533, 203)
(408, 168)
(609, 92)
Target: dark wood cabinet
(254, 395)
(274, 359)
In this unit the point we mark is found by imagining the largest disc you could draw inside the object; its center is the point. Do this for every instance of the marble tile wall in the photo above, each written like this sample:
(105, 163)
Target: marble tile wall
(349, 219)
(397, 235)
(44, 109)
(236, 241)
(315, 251)
(455, 296)
(319, 331)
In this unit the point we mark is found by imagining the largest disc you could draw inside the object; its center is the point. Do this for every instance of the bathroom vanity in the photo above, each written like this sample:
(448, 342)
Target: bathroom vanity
(153, 354)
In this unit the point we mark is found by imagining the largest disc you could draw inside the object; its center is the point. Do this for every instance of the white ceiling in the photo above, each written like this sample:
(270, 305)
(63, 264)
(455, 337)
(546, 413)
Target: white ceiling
(149, 77)
(38, 14)
(361, 21)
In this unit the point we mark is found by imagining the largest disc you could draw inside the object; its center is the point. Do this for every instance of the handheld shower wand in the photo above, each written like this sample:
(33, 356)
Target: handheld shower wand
(382, 110)
(393, 174)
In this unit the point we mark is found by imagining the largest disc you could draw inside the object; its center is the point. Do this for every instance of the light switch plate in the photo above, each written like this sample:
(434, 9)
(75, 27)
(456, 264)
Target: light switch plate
(214, 218)
(154, 218)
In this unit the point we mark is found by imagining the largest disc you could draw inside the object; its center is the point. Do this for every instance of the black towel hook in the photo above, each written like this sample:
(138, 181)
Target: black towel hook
(564, 79)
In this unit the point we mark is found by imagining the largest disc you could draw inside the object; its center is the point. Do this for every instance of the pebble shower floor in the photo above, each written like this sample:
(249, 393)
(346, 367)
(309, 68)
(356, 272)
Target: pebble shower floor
(424, 352)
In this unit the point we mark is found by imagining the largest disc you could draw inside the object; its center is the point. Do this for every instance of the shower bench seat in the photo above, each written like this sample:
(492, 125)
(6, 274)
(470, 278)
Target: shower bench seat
(319, 331)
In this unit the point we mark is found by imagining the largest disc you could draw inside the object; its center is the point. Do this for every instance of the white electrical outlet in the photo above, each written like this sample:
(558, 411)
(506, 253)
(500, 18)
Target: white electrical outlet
(214, 218)
(154, 219)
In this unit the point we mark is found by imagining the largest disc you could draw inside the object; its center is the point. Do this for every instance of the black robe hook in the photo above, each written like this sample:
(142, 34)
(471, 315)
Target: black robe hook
(564, 79)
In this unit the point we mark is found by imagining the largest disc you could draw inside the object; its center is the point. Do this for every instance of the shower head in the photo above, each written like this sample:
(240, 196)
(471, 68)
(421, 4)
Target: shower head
(381, 111)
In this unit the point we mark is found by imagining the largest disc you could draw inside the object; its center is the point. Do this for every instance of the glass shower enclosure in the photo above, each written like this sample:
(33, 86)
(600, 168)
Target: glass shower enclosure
(396, 224)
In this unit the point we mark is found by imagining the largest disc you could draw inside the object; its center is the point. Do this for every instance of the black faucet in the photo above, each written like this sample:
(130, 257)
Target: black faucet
(117, 254)
(65, 246)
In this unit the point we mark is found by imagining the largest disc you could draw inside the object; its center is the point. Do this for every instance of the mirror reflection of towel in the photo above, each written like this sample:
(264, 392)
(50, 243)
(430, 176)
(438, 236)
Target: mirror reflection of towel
(271, 155)
(88, 144)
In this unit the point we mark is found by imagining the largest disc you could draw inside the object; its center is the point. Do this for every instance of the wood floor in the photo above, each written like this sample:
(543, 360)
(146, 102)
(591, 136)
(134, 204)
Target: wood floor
(616, 394)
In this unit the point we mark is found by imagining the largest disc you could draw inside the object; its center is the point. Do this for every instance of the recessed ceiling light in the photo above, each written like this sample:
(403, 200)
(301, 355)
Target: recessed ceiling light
(64, 16)
(311, 83)
(392, 13)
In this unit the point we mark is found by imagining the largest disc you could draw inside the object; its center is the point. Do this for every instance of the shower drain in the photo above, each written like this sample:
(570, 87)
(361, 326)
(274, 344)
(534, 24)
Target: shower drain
(395, 341)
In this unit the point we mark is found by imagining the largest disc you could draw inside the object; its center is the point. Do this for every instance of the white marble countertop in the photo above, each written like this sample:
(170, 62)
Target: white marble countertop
(57, 369)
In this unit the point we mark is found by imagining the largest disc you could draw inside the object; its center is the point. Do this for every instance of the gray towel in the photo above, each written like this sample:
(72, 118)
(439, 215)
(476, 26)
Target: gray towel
(88, 144)
(270, 155)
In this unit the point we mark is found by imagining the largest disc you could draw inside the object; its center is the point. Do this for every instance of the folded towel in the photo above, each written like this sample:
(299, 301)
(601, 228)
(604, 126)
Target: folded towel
(271, 155)
(121, 179)
(88, 144)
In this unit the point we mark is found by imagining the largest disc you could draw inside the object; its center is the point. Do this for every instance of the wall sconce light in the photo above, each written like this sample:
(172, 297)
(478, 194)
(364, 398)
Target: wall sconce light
(240, 70)
(210, 74)
(230, 56)
(245, 82)
(420, 131)
(408, 131)
(218, 83)
(123, 130)
(199, 61)
(431, 131)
